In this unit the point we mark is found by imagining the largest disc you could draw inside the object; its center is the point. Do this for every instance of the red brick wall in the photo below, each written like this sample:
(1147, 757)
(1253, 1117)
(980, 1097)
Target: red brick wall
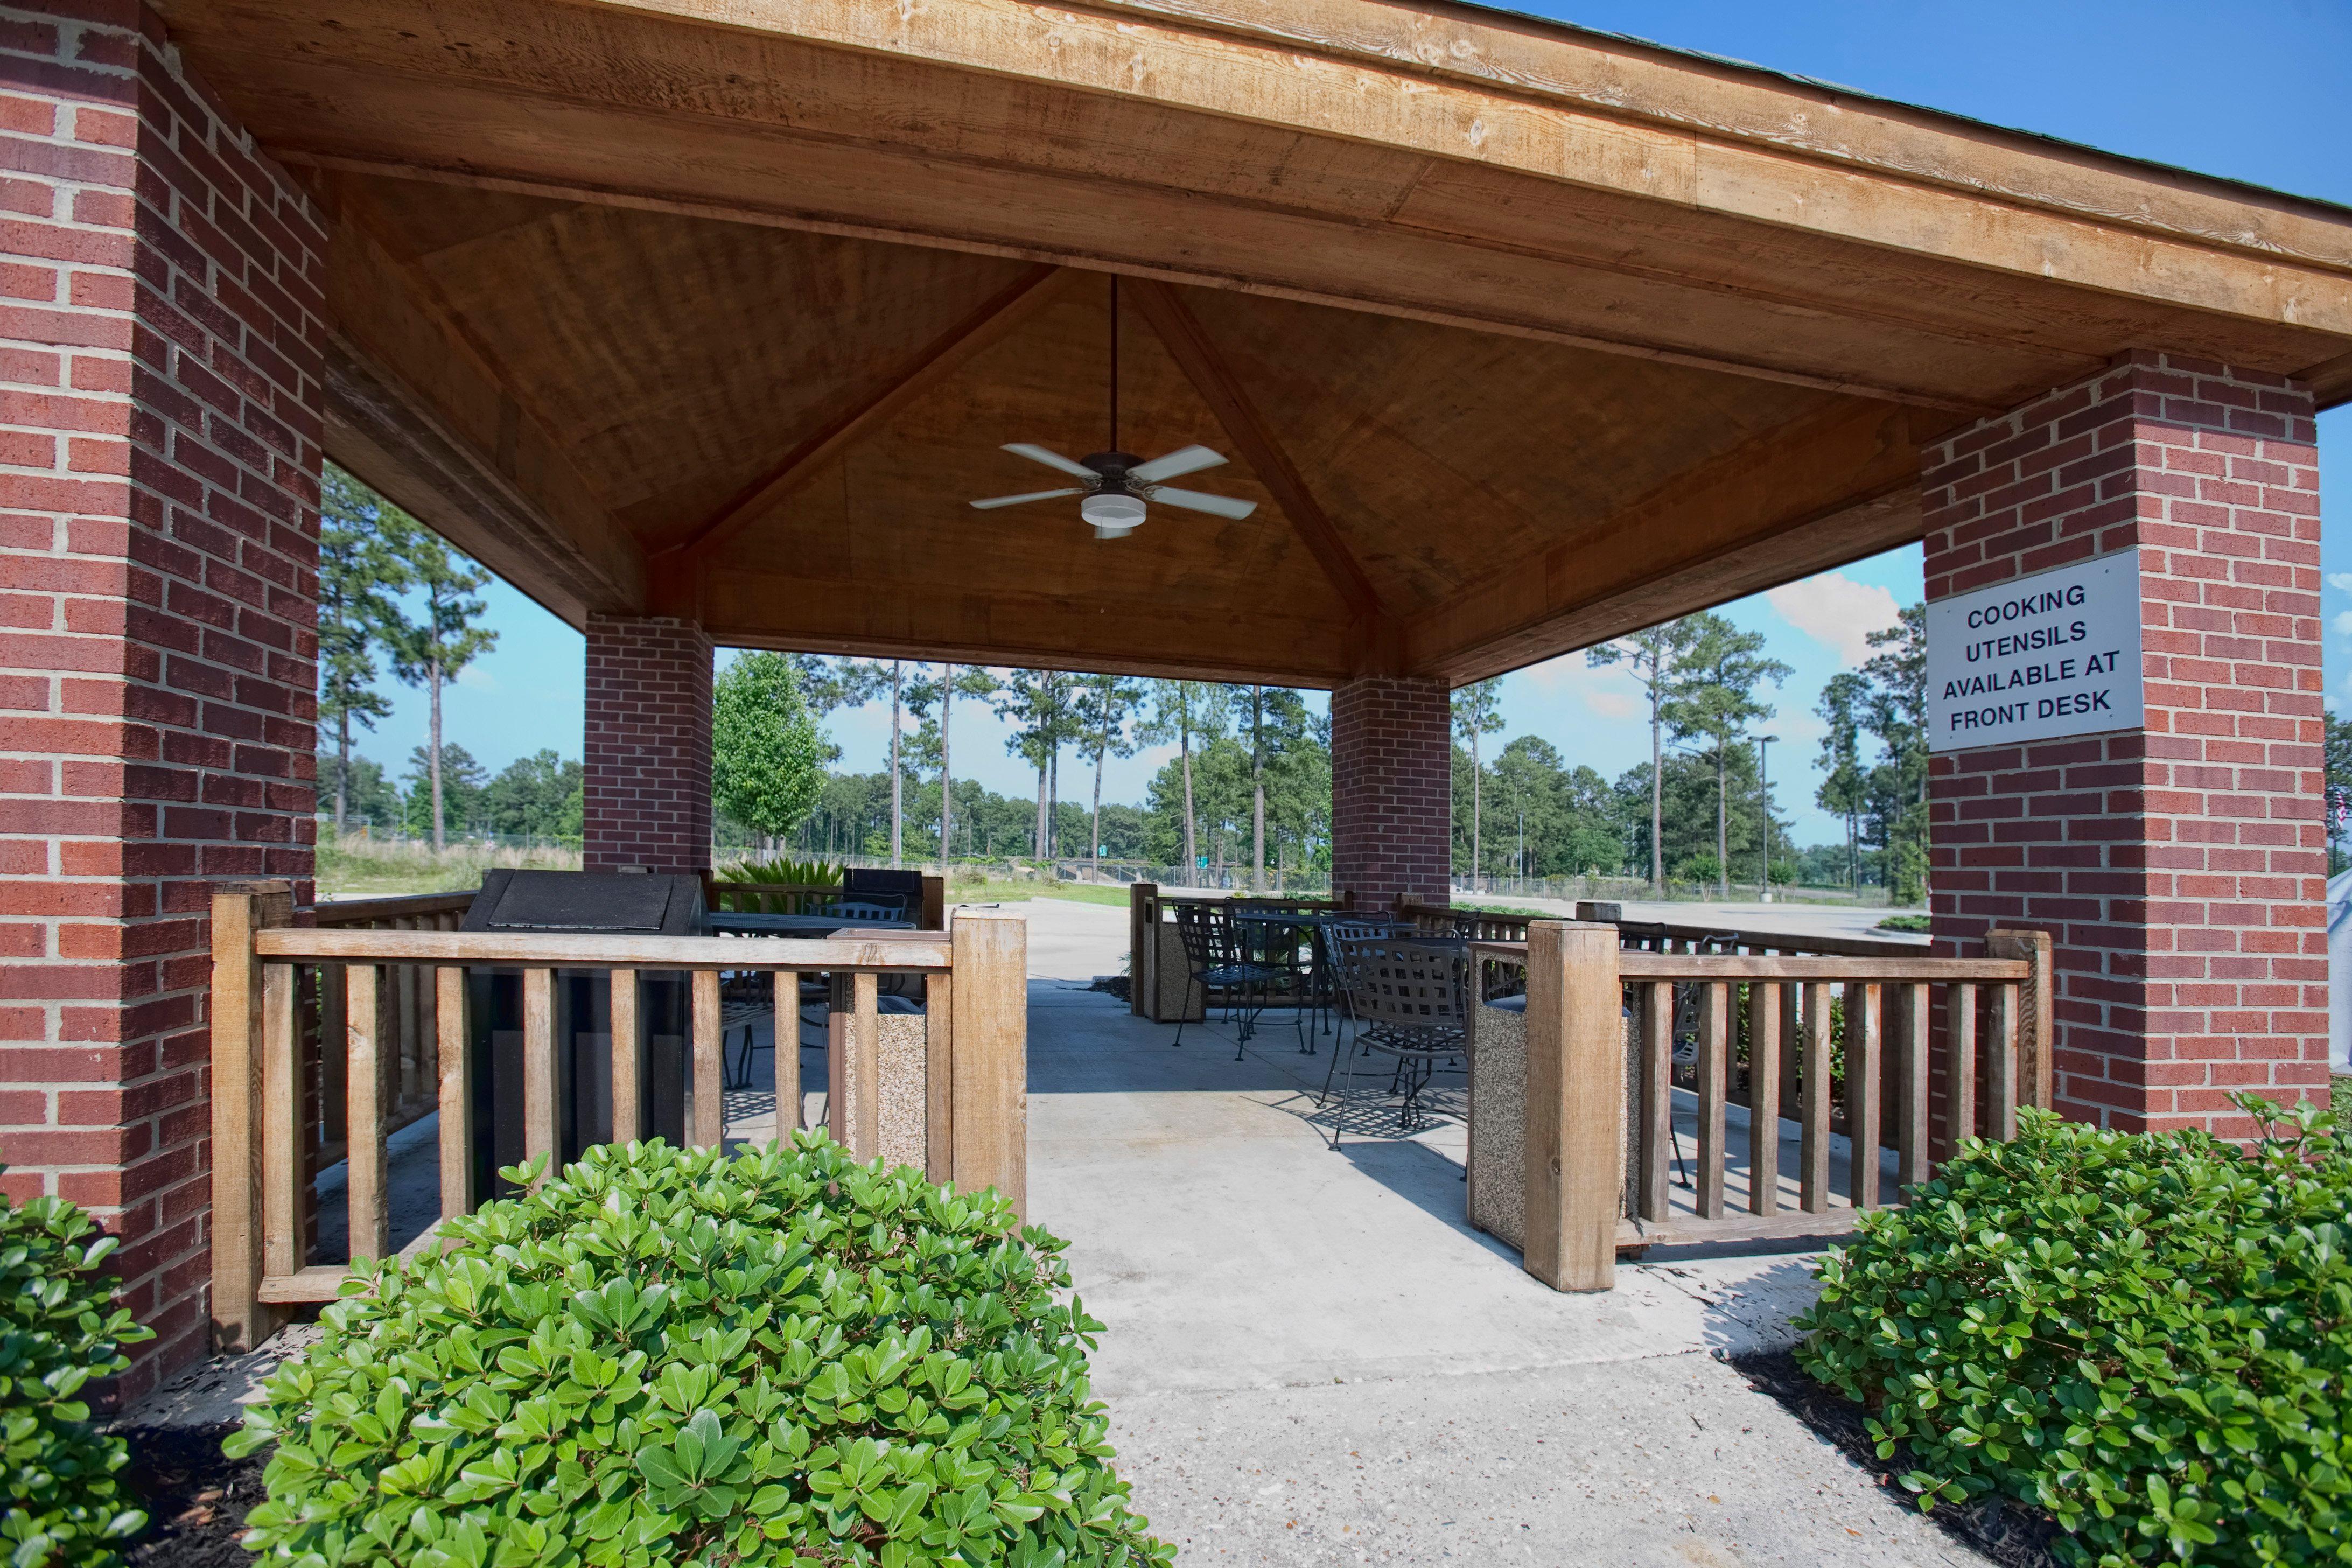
(648, 744)
(160, 350)
(2181, 867)
(1393, 790)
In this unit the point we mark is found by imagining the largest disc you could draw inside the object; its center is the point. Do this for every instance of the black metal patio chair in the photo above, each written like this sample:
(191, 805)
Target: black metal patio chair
(1213, 953)
(1411, 1001)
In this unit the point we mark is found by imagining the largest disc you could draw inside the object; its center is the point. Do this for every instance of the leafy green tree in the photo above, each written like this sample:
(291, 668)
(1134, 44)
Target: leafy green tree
(1041, 704)
(1107, 705)
(1188, 712)
(1652, 657)
(1712, 702)
(933, 733)
(370, 796)
(1845, 789)
(767, 755)
(1895, 713)
(1275, 719)
(539, 796)
(364, 541)
(446, 788)
(1477, 712)
(435, 650)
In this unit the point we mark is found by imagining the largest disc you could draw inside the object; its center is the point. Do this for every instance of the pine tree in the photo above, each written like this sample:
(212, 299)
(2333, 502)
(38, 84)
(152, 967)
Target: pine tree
(1186, 711)
(433, 651)
(362, 542)
(1106, 704)
(1712, 696)
(1652, 656)
(1477, 711)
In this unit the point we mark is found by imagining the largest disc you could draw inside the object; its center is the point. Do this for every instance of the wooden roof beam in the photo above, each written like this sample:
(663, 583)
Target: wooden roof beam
(1834, 487)
(1212, 377)
(985, 324)
(419, 410)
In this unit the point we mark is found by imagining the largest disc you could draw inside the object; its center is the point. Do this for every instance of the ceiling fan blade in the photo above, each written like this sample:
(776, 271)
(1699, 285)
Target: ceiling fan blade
(995, 502)
(1052, 459)
(1220, 506)
(1183, 460)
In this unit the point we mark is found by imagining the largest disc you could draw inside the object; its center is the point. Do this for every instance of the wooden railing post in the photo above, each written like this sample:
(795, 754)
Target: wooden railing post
(990, 1031)
(1142, 946)
(2035, 1033)
(1575, 1105)
(934, 916)
(240, 1320)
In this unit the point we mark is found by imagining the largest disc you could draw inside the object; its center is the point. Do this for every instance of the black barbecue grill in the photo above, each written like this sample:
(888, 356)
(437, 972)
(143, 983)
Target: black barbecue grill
(606, 903)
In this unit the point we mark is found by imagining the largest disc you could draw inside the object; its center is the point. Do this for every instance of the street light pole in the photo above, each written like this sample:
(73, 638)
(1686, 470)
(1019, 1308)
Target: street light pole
(1764, 788)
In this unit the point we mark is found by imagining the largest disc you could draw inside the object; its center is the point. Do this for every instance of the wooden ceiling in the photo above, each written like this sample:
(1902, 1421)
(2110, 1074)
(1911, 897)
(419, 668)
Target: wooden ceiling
(1520, 337)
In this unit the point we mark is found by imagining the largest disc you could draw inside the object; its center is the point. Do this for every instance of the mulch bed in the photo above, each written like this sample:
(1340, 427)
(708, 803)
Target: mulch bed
(2008, 1531)
(196, 1497)
(1115, 984)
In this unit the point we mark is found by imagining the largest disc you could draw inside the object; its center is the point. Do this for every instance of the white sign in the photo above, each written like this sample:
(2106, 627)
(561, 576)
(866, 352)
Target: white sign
(2034, 657)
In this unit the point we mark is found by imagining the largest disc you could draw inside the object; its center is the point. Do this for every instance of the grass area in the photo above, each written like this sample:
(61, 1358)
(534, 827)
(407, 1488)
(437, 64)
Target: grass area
(971, 889)
(359, 867)
(1906, 923)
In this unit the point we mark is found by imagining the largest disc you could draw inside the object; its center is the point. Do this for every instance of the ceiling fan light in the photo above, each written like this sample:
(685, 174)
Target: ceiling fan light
(1112, 514)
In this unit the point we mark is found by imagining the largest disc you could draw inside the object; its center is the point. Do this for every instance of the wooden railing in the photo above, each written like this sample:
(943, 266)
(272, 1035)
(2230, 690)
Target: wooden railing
(1663, 936)
(1841, 1044)
(407, 1058)
(1153, 955)
(972, 1108)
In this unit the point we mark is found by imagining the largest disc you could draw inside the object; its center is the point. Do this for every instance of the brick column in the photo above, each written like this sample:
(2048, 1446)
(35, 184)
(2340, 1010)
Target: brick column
(648, 744)
(1393, 790)
(161, 341)
(2181, 866)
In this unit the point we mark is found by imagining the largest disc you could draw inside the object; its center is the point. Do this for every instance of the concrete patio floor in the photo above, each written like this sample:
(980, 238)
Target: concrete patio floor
(1309, 1357)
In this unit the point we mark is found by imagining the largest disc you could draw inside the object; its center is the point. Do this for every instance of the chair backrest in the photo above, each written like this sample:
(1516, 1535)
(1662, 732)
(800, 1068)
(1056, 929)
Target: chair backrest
(1207, 932)
(1343, 939)
(873, 909)
(1402, 984)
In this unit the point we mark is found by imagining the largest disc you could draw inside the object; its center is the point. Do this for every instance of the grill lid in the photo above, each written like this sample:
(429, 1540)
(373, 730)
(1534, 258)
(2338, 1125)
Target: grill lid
(608, 901)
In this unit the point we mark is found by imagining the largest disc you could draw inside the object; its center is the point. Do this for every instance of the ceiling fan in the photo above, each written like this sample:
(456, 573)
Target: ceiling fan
(1117, 484)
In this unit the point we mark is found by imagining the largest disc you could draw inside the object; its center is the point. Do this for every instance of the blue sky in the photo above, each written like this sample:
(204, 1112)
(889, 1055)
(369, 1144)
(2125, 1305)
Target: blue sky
(2249, 90)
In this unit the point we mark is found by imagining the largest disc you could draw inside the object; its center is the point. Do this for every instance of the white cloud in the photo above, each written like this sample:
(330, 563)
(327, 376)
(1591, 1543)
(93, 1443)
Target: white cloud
(1836, 611)
(477, 677)
(2343, 623)
(2341, 581)
(1611, 704)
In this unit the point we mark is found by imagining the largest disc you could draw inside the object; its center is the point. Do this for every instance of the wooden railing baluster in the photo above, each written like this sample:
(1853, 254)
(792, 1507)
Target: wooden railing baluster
(539, 1111)
(710, 1063)
(367, 1009)
(453, 1024)
(864, 1067)
(628, 1060)
(2001, 1065)
(1714, 1070)
(1862, 1058)
(1764, 1097)
(285, 1185)
(1814, 1136)
(1960, 1024)
(1912, 1140)
(1657, 1129)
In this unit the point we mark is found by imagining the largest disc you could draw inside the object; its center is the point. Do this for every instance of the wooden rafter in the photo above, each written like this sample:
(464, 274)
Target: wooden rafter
(939, 358)
(1214, 379)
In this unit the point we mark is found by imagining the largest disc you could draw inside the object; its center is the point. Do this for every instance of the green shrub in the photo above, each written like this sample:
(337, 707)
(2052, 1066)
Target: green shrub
(59, 1328)
(2149, 1336)
(668, 1356)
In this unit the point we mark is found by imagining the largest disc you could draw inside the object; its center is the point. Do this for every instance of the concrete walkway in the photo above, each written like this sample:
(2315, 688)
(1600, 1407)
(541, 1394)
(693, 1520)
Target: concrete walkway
(1310, 1357)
